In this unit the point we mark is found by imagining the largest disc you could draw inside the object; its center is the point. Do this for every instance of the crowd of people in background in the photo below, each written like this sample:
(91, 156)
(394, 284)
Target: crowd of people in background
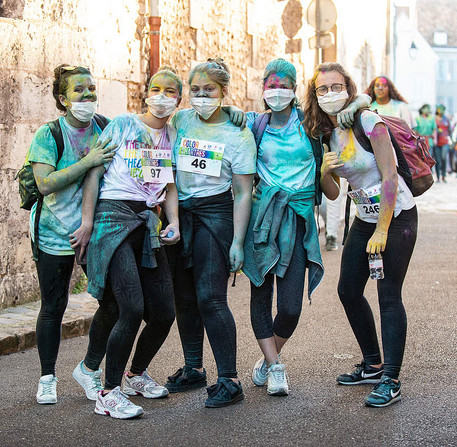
(167, 203)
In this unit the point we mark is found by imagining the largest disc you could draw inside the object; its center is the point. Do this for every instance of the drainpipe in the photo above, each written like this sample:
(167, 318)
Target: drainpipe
(154, 36)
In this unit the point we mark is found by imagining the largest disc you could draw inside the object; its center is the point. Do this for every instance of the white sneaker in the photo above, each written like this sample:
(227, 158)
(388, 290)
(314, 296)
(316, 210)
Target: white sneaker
(89, 380)
(260, 372)
(277, 380)
(47, 390)
(143, 385)
(117, 405)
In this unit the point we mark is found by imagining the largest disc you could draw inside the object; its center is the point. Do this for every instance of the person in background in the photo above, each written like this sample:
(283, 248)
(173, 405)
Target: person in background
(387, 100)
(441, 149)
(60, 182)
(426, 125)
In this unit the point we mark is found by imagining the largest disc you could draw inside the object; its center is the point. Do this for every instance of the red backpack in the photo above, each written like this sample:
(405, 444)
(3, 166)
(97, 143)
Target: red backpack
(414, 160)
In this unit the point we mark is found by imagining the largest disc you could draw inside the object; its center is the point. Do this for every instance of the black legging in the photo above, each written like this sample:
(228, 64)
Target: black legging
(201, 303)
(354, 276)
(54, 275)
(140, 293)
(289, 297)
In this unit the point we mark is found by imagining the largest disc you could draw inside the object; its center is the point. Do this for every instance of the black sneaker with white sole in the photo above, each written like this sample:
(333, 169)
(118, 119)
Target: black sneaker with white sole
(363, 373)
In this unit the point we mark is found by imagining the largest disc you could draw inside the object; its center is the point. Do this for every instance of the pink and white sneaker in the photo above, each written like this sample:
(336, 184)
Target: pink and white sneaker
(117, 405)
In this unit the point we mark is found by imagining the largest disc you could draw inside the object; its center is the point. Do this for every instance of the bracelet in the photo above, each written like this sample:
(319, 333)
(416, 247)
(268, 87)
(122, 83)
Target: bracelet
(381, 232)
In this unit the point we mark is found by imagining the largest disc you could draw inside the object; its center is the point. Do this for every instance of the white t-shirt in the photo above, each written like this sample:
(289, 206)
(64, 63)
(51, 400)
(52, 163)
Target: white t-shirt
(361, 169)
(206, 155)
(137, 147)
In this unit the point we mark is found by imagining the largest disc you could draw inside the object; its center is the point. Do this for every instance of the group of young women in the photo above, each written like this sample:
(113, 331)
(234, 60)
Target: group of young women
(167, 211)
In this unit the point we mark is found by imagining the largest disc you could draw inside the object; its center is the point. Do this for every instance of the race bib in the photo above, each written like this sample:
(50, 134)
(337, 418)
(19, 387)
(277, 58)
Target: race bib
(156, 166)
(367, 201)
(200, 157)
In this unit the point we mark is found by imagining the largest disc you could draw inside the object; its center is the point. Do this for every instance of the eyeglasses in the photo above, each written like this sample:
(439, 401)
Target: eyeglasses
(323, 89)
(66, 68)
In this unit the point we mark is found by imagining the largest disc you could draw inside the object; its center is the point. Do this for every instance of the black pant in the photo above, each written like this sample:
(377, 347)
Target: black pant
(140, 293)
(354, 276)
(201, 303)
(54, 275)
(289, 297)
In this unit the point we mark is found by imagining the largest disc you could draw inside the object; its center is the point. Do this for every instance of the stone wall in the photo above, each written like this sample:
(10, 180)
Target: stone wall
(112, 38)
(107, 36)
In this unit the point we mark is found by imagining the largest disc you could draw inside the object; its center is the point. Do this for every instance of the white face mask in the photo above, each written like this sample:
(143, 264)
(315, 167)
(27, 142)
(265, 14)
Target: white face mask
(332, 103)
(83, 111)
(278, 98)
(205, 107)
(161, 105)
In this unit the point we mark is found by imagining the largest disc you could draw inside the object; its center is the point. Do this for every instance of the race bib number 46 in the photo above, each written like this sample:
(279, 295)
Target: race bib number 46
(156, 166)
(367, 201)
(200, 157)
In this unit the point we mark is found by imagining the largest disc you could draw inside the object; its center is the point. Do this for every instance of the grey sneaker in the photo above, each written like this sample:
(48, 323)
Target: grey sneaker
(260, 372)
(143, 385)
(277, 380)
(89, 380)
(331, 244)
(47, 390)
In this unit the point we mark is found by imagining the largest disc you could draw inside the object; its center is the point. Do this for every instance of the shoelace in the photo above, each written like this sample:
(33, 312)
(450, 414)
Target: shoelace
(384, 386)
(48, 387)
(122, 398)
(149, 380)
(96, 383)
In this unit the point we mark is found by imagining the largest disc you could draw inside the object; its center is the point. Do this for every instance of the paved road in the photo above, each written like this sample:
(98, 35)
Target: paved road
(317, 412)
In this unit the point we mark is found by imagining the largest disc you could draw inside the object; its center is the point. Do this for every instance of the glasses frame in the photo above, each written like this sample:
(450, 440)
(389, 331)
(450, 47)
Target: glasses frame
(338, 89)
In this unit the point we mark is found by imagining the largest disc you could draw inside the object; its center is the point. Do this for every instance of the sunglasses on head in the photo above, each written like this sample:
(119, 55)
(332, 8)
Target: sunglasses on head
(67, 68)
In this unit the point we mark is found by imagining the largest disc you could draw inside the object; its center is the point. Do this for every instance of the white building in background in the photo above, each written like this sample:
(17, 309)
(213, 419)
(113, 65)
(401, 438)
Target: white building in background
(414, 61)
(437, 23)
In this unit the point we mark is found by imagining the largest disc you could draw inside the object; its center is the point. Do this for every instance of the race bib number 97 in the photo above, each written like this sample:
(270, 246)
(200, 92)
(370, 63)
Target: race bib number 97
(200, 157)
(367, 201)
(156, 166)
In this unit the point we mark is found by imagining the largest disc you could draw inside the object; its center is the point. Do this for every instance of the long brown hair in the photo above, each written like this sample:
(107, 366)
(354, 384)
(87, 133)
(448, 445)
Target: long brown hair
(317, 122)
(393, 92)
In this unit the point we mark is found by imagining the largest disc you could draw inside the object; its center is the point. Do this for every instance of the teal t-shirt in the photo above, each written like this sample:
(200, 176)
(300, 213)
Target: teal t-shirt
(206, 155)
(285, 157)
(61, 212)
(426, 127)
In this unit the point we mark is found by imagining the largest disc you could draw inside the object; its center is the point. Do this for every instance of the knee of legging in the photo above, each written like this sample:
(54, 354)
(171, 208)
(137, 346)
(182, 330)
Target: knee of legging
(211, 303)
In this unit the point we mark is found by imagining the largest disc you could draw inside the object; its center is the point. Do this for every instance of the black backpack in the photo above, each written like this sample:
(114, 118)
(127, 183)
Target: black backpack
(258, 128)
(28, 189)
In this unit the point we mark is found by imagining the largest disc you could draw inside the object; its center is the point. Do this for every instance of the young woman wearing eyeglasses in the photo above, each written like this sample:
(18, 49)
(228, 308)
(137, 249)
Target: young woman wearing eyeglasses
(387, 226)
(60, 182)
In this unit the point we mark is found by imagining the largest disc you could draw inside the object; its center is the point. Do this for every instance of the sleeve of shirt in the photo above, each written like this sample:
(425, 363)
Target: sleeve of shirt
(250, 118)
(369, 120)
(406, 114)
(43, 148)
(245, 155)
(113, 130)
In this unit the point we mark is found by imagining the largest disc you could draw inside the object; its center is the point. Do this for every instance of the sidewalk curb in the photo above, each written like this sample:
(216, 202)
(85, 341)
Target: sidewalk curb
(27, 339)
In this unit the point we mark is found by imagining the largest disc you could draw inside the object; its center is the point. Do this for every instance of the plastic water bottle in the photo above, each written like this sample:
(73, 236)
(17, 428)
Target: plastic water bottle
(376, 266)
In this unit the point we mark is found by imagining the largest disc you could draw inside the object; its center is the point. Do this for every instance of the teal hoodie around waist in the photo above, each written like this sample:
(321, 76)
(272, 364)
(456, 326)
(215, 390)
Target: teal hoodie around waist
(270, 238)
